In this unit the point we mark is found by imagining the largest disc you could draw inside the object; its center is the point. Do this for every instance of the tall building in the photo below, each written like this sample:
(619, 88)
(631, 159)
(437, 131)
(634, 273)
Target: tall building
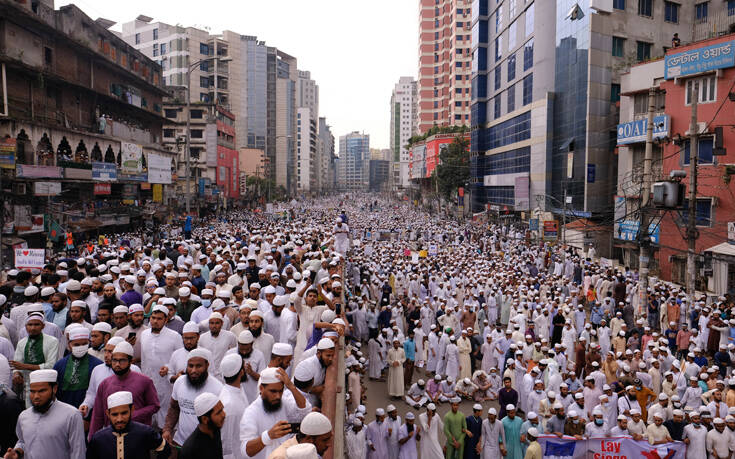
(403, 103)
(546, 87)
(307, 92)
(353, 166)
(444, 63)
(326, 156)
(307, 151)
(285, 121)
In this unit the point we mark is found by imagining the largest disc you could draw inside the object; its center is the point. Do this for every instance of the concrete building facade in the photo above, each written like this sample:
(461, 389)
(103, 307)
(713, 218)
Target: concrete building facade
(403, 113)
(307, 151)
(353, 165)
(327, 174)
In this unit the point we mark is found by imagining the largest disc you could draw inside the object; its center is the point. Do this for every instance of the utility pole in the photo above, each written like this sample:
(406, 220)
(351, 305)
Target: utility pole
(564, 217)
(692, 223)
(645, 239)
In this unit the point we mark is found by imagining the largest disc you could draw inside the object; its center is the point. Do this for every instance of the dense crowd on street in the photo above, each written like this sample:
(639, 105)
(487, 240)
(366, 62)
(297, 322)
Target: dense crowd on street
(217, 340)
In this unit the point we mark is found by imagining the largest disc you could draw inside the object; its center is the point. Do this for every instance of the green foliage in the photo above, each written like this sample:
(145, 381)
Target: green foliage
(436, 130)
(453, 170)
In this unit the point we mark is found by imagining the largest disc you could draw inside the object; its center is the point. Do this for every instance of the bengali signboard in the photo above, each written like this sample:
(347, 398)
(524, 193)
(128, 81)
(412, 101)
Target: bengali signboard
(704, 59)
(102, 188)
(604, 448)
(627, 230)
(635, 131)
(46, 188)
(159, 168)
(104, 172)
(8, 148)
(131, 158)
(29, 258)
(551, 230)
(28, 171)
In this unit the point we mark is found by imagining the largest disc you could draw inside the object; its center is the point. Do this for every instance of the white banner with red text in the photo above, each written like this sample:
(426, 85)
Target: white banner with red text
(553, 447)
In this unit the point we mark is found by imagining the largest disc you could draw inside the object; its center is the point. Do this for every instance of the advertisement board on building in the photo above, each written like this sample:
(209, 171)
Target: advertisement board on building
(8, 148)
(159, 168)
(521, 193)
(104, 172)
(704, 59)
(28, 171)
(46, 188)
(635, 131)
(533, 224)
(131, 158)
(102, 188)
(627, 230)
(157, 192)
(35, 225)
(29, 258)
(551, 230)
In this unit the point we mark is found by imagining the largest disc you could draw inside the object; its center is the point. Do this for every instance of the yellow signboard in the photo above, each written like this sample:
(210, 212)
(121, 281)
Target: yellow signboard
(157, 192)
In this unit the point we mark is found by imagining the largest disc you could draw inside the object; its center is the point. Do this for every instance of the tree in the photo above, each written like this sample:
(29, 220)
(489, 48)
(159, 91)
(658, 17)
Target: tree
(453, 170)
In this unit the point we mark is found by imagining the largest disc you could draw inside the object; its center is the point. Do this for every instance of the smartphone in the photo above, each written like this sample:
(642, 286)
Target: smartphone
(338, 308)
(132, 334)
(295, 427)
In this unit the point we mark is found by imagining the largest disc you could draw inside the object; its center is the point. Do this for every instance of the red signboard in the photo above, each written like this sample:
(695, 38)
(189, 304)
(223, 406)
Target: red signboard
(102, 188)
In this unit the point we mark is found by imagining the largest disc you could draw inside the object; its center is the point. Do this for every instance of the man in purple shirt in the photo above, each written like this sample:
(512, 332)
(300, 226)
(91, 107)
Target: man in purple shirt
(130, 296)
(145, 398)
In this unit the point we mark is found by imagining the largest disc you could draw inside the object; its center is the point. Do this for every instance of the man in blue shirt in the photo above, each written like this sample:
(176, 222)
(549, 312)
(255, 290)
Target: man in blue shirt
(409, 348)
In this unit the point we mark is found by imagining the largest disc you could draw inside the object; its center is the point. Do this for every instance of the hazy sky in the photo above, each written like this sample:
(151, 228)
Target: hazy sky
(355, 50)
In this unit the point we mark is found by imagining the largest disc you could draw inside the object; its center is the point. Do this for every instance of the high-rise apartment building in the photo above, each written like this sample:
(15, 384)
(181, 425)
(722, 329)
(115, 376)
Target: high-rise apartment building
(546, 81)
(444, 63)
(403, 103)
(307, 92)
(353, 166)
(326, 174)
(306, 151)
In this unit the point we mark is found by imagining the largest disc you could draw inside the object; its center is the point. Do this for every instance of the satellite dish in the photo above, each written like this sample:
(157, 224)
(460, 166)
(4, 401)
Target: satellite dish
(575, 13)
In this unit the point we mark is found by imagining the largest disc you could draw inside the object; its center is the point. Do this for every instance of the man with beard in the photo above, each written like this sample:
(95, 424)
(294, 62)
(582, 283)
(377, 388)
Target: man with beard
(37, 351)
(206, 439)
(177, 363)
(158, 343)
(218, 341)
(266, 422)
(138, 440)
(318, 366)
(181, 413)
(253, 363)
(272, 318)
(76, 368)
(99, 337)
(315, 428)
(130, 297)
(50, 428)
(281, 356)
(145, 398)
(234, 401)
(86, 295)
(109, 298)
(263, 341)
(132, 332)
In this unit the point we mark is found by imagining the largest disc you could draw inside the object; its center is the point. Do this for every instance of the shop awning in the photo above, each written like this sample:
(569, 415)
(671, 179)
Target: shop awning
(724, 248)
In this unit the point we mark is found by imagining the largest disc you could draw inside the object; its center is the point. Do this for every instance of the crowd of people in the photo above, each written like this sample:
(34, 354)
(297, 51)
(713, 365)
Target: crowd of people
(214, 343)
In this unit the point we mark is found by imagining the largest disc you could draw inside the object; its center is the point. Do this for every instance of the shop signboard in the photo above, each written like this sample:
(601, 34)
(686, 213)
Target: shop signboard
(699, 60)
(132, 158)
(551, 230)
(104, 172)
(8, 148)
(46, 188)
(159, 168)
(102, 188)
(28, 171)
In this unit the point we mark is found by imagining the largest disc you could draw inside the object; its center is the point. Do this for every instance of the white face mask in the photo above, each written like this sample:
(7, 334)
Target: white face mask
(79, 351)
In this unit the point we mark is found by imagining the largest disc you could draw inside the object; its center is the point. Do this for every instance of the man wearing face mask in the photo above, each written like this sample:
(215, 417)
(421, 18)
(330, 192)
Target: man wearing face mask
(695, 437)
(49, 428)
(75, 369)
(597, 427)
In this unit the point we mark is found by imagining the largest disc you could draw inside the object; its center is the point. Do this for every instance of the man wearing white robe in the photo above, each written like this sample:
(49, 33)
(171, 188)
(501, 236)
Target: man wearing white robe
(451, 358)
(157, 344)
(375, 366)
(377, 436)
(234, 402)
(253, 363)
(218, 341)
(431, 425)
(355, 441)
(396, 359)
(493, 436)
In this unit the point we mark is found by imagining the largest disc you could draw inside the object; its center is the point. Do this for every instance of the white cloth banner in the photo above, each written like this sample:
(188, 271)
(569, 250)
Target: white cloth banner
(553, 447)
(30, 258)
(159, 169)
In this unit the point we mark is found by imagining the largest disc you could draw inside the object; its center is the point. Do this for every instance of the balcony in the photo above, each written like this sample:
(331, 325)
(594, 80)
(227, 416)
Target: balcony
(714, 25)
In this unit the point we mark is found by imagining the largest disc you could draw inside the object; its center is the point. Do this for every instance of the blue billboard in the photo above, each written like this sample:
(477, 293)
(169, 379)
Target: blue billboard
(627, 230)
(635, 131)
(705, 59)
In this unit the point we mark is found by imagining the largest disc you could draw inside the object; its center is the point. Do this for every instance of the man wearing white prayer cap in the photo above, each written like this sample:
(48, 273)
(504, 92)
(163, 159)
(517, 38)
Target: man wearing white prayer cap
(138, 440)
(302, 451)
(217, 340)
(205, 440)
(133, 331)
(355, 440)
(376, 434)
(158, 343)
(493, 436)
(253, 363)
(37, 351)
(263, 341)
(315, 429)
(100, 334)
(49, 428)
(196, 380)
(318, 366)
(176, 365)
(234, 400)
(75, 369)
(265, 423)
(281, 356)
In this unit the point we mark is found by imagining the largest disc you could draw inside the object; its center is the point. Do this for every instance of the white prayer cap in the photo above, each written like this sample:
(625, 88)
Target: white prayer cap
(269, 376)
(533, 432)
(390, 408)
(431, 407)
(510, 407)
(635, 411)
(455, 400)
(231, 364)
(79, 333)
(328, 316)
(191, 327)
(315, 423)
(557, 405)
(79, 304)
(35, 316)
(532, 415)
(282, 349)
(224, 294)
(280, 300)
(597, 411)
(204, 403)
(47, 291)
(120, 309)
(135, 308)
(477, 407)
(124, 348)
(217, 305)
(114, 341)
(256, 313)
(103, 327)
(325, 343)
(200, 352)
(245, 337)
(160, 308)
(573, 414)
(215, 315)
(119, 398)
(357, 422)
(269, 289)
(86, 281)
(719, 421)
(410, 415)
(207, 291)
(492, 411)
(663, 396)
(302, 451)
(184, 291)
(30, 290)
(43, 376)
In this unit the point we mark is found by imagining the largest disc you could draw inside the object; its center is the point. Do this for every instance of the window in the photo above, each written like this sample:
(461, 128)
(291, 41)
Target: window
(204, 66)
(169, 132)
(731, 7)
(614, 92)
(706, 86)
(458, 64)
(498, 20)
(137, 38)
(528, 55)
(618, 46)
(643, 51)
(645, 8)
(512, 7)
(155, 34)
(511, 98)
(619, 4)
(529, 19)
(671, 12)
(704, 212)
(163, 49)
(204, 82)
(48, 55)
(528, 89)
(170, 113)
(700, 11)
(511, 67)
(197, 133)
(155, 49)
(498, 76)
(704, 145)
(512, 35)
(204, 49)
(497, 107)
(498, 46)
